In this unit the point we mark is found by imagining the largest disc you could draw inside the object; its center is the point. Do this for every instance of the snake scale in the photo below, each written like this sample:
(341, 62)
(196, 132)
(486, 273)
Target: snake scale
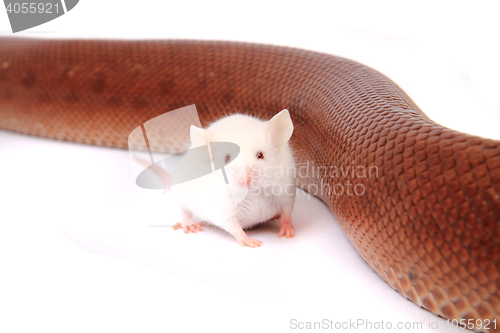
(427, 221)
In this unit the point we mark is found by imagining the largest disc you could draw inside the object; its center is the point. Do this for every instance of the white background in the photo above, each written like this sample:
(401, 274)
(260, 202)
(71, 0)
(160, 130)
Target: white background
(77, 250)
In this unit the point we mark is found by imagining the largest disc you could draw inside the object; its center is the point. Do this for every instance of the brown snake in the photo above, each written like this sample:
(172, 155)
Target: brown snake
(428, 221)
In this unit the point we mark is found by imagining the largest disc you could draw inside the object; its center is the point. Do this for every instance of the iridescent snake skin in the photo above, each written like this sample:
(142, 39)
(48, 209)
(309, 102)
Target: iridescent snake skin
(427, 221)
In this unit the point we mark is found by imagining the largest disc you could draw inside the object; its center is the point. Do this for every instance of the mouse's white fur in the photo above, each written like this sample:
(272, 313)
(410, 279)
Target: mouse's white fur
(259, 188)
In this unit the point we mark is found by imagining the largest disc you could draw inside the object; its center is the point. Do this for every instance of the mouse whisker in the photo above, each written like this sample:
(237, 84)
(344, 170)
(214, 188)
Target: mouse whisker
(295, 126)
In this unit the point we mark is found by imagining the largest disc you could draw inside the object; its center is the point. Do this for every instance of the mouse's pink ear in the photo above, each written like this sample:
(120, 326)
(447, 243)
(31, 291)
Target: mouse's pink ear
(200, 137)
(280, 128)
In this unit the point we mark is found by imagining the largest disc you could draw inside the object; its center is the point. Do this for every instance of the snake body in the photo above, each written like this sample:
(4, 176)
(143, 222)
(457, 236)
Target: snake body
(426, 214)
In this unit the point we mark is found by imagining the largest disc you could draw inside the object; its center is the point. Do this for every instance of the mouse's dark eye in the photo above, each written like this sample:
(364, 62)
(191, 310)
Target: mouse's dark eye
(260, 155)
(228, 158)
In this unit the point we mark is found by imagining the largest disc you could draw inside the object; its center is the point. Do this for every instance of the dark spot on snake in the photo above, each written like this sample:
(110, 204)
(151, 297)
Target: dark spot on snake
(167, 85)
(29, 79)
(228, 95)
(139, 102)
(202, 83)
(44, 97)
(297, 103)
(114, 101)
(99, 82)
(412, 277)
(71, 97)
(138, 71)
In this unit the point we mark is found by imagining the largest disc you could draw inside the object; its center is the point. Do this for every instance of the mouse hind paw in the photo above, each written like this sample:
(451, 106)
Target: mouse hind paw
(286, 227)
(250, 242)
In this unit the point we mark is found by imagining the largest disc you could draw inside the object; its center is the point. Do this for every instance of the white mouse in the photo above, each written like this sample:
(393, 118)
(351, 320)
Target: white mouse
(260, 179)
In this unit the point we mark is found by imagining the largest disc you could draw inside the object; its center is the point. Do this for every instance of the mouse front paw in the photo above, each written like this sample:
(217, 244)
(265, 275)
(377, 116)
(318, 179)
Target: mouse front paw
(189, 228)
